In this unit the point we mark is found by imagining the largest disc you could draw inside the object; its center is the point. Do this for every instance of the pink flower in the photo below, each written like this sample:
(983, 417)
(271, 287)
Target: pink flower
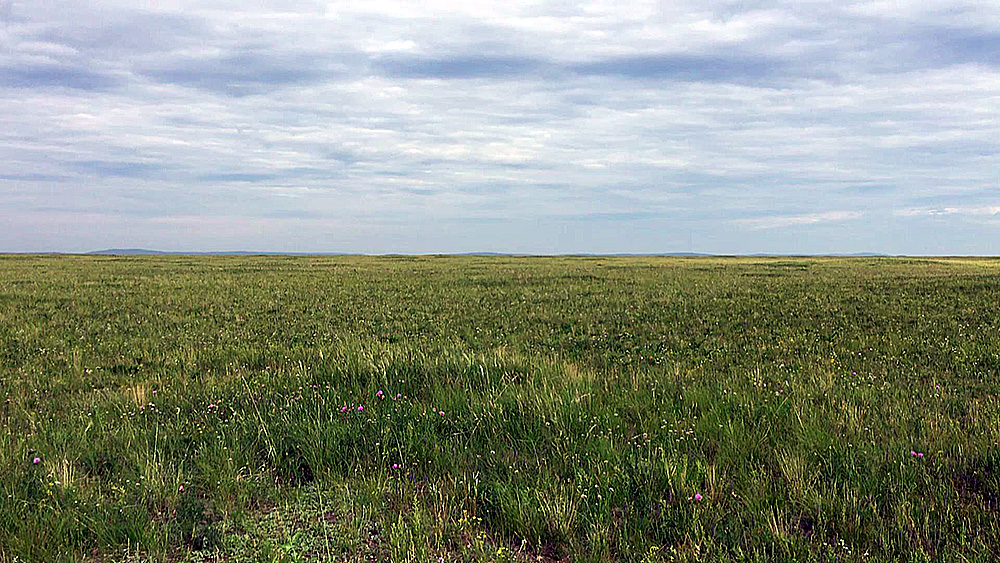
(913, 453)
(379, 394)
(697, 496)
(920, 454)
(441, 413)
(360, 408)
(343, 408)
(36, 461)
(181, 488)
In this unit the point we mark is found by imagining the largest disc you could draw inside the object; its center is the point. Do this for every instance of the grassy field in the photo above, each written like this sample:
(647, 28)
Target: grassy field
(488, 409)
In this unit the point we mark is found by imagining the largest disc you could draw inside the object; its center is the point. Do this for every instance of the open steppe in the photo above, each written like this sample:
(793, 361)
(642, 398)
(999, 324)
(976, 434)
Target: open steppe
(442, 408)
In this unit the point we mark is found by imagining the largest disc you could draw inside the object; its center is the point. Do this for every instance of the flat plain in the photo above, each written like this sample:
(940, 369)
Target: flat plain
(443, 408)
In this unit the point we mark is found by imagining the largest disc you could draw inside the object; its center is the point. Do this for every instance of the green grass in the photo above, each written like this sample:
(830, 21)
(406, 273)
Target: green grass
(207, 409)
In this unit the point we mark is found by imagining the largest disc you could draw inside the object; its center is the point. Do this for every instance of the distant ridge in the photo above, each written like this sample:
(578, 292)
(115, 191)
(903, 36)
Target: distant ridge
(127, 251)
(146, 251)
(831, 254)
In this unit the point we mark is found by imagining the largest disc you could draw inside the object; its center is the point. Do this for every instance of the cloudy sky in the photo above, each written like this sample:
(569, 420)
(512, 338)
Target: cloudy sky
(517, 126)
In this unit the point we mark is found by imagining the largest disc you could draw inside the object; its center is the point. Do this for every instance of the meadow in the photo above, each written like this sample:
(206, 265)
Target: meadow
(498, 409)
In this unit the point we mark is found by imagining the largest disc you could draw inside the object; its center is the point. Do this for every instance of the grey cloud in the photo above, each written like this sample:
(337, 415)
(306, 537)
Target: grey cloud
(627, 216)
(460, 67)
(268, 176)
(128, 209)
(126, 33)
(158, 46)
(342, 156)
(968, 197)
(50, 76)
(691, 68)
(292, 214)
(673, 66)
(865, 46)
(397, 173)
(871, 188)
(946, 45)
(247, 72)
(122, 169)
(238, 177)
(95, 48)
(33, 177)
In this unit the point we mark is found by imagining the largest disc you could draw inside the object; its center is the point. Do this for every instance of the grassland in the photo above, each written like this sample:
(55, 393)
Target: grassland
(499, 409)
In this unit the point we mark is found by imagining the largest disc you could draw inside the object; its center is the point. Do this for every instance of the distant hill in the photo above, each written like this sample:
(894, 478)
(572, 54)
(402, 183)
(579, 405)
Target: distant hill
(833, 254)
(136, 251)
(145, 251)
(127, 251)
(674, 254)
(142, 251)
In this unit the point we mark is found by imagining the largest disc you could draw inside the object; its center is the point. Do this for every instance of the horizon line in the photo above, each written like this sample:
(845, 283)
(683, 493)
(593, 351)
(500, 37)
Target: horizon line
(151, 252)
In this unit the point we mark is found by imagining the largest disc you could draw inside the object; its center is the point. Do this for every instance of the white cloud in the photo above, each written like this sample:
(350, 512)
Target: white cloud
(780, 221)
(939, 211)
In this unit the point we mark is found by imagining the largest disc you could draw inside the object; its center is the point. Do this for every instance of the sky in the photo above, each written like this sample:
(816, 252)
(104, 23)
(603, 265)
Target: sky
(434, 126)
